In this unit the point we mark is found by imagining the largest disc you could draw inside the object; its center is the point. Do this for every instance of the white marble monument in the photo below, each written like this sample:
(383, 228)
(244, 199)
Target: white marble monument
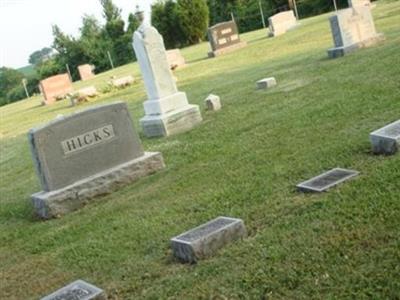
(352, 28)
(167, 110)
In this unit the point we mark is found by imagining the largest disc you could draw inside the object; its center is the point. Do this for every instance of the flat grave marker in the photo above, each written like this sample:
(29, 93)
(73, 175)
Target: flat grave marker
(86, 154)
(123, 81)
(326, 180)
(204, 240)
(386, 140)
(77, 290)
(224, 38)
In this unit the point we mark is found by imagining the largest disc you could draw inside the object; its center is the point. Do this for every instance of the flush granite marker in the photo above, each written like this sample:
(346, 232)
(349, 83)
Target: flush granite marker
(352, 28)
(326, 180)
(167, 110)
(205, 240)
(87, 154)
(387, 139)
(77, 290)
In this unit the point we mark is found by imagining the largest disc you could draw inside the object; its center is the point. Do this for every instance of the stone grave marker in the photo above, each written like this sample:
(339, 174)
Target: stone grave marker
(175, 59)
(326, 180)
(54, 87)
(352, 28)
(213, 102)
(77, 290)
(86, 154)
(123, 81)
(224, 38)
(167, 109)
(266, 83)
(387, 139)
(281, 22)
(86, 71)
(358, 3)
(205, 240)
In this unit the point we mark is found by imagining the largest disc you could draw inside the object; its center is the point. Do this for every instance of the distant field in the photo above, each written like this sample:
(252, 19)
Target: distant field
(27, 70)
(243, 161)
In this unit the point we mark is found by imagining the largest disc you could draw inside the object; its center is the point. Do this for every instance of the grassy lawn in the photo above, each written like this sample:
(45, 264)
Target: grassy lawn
(243, 161)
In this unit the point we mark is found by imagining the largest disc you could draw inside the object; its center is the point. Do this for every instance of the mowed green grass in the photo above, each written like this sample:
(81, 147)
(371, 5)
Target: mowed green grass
(243, 161)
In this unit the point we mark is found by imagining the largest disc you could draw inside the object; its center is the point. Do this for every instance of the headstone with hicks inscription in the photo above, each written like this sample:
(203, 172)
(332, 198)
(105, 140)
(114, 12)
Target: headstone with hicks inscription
(55, 87)
(352, 28)
(86, 154)
(281, 22)
(167, 110)
(224, 38)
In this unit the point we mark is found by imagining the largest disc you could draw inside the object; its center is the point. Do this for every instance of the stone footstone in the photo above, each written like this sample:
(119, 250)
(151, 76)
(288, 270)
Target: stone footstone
(266, 83)
(173, 122)
(77, 290)
(213, 102)
(387, 139)
(72, 197)
(326, 180)
(205, 240)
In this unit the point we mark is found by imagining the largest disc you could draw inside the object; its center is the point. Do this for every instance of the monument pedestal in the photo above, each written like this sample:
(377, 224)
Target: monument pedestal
(173, 122)
(341, 51)
(64, 200)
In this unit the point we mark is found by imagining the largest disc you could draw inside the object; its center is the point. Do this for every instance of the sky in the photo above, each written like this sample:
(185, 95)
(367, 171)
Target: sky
(26, 25)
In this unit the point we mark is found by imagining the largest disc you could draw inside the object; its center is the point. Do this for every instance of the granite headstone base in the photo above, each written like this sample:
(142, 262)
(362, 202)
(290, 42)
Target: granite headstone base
(341, 51)
(225, 50)
(173, 122)
(386, 140)
(65, 200)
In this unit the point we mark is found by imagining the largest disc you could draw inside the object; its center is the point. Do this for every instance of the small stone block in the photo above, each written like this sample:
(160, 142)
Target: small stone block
(326, 180)
(266, 83)
(213, 102)
(205, 240)
(387, 139)
(77, 290)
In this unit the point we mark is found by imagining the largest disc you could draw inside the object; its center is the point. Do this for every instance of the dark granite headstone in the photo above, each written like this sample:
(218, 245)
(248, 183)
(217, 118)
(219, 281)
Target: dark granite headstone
(326, 180)
(223, 38)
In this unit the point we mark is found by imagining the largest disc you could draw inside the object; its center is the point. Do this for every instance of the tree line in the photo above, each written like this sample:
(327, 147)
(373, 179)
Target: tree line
(180, 22)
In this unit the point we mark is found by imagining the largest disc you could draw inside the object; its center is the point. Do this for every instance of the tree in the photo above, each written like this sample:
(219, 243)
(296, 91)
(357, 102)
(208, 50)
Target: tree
(193, 19)
(40, 55)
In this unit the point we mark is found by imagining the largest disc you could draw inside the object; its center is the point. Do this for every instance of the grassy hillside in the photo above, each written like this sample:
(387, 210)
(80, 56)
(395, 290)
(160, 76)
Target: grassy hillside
(244, 162)
(27, 70)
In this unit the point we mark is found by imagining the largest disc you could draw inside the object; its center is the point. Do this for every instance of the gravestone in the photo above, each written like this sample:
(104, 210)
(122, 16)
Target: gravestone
(86, 71)
(77, 290)
(205, 240)
(224, 38)
(175, 59)
(86, 154)
(266, 83)
(213, 102)
(387, 139)
(326, 180)
(358, 3)
(54, 87)
(167, 110)
(281, 22)
(123, 81)
(352, 28)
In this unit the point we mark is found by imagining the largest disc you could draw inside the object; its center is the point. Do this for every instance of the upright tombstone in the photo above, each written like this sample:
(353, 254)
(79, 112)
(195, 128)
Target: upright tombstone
(167, 110)
(175, 58)
(281, 22)
(86, 71)
(87, 154)
(77, 290)
(224, 38)
(54, 87)
(352, 28)
(358, 3)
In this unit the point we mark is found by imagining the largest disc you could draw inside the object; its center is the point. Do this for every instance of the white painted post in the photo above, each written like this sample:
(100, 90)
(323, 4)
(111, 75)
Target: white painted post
(262, 13)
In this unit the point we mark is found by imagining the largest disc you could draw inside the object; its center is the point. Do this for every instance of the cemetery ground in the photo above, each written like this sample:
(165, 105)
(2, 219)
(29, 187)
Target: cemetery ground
(243, 161)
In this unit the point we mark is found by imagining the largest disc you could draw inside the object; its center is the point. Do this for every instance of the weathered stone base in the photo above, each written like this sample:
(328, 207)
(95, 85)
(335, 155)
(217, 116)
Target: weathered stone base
(227, 49)
(60, 202)
(266, 83)
(174, 122)
(341, 51)
(386, 140)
